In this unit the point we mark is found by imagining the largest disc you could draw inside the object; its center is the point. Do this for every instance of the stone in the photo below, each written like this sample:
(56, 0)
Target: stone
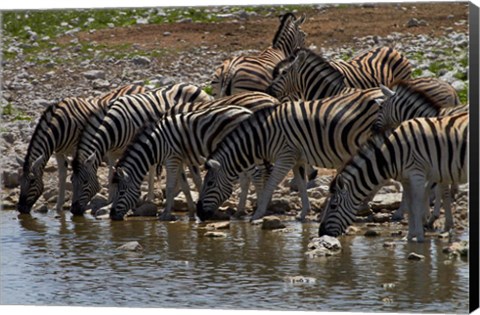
(352, 230)
(42, 209)
(457, 249)
(133, 246)
(147, 209)
(94, 74)
(218, 225)
(11, 178)
(100, 84)
(280, 206)
(141, 61)
(389, 245)
(371, 233)
(415, 256)
(458, 85)
(167, 33)
(8, 137)
(381, 217)
(323, 246)
(272, 223)
(214, 234)
(389, 201)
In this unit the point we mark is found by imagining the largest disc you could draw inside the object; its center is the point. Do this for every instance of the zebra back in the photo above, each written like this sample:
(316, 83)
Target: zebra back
(434, 149)
(408, 100)
(385, 64)
(105, 99)
(441, 93)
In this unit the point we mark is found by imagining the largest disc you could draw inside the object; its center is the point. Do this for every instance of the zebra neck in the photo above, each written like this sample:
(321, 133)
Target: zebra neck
(42, 143)
(415, 106)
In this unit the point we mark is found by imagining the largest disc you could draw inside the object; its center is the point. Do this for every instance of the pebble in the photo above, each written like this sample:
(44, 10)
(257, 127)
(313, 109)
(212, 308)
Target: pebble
(299, 279)
(141, 61)
(415, 256)
(324, 246)
(457, 249)
(100, 84)
(214, 234)
(272, 223)
(94, 74)
(133, 246)
(218, 225)
(389, 244)
(371, 233)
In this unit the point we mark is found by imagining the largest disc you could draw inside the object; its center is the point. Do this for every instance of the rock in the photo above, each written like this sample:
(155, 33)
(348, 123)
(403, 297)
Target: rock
(413, 22)
(371, 233)
(218, 225)
(458, 85)
(389, 245)
(167, 33)
(94, 74)
(42, 103)
(352, 230)
(8, 137)
(381, 217)
(257, 222)
(415, 256)
(215, 234)
(11, 178)
(388, 285)
(389, 201)
(299, 279)
(133, 246)
(100, 84)
(323, 246)
(147, 209)
(280, 206)
(457, 249)
(42, 209)
(272, 223)
(141, 61)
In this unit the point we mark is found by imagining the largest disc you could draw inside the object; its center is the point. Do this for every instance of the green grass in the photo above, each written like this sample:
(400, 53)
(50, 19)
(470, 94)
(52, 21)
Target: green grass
(14, 114)
(208, 89)
(463, 94)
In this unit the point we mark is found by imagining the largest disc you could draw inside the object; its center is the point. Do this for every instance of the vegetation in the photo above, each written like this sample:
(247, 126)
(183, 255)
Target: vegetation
(13, 113)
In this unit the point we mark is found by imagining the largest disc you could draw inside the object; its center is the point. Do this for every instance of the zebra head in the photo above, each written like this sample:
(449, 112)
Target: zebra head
(285, 85)
(85, 184)
(387, 117)
(125, 193)
(31, 183)
(339, 211)
(216, 189)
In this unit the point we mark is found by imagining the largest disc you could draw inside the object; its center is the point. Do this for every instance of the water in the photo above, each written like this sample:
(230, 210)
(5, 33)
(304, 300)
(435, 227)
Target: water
(75, 261)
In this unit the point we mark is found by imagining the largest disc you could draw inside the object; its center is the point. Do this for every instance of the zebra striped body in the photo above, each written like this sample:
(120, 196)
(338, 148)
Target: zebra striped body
(419, 152)
(324, 133)
(308, 76)
(123, 120)
(57, 132)
(111, 135)
(408, 100)
(175, 140)
(254, 73)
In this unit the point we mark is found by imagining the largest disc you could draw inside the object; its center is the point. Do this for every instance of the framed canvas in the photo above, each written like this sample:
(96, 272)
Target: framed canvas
(130, 130)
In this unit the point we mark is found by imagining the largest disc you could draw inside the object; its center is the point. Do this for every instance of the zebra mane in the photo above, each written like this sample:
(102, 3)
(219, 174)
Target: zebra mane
(287, 17)
(411, 89)
(43, 122)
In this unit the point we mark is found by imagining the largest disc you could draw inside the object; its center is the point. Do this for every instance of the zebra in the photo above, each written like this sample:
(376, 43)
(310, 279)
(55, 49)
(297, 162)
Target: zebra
(254, 73)
(418, 152)
(112, 131)
(174, 140)
(306, 75)
(324, 133)
(57, 132)
(124, 119)
(423, 97)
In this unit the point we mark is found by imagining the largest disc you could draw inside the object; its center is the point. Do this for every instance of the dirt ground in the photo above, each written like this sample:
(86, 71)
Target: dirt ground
(326, 27)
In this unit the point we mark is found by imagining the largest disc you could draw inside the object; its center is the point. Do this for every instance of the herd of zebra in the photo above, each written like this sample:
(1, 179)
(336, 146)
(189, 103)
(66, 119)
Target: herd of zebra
(285, 109)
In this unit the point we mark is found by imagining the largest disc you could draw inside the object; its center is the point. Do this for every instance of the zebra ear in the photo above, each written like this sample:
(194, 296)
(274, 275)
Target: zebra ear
(122, 174)
(300, 20)
(20, 161)
(341, 183)
(386, 91)
(37, 162)
(213, 164)
(90, 159)
(379, 101)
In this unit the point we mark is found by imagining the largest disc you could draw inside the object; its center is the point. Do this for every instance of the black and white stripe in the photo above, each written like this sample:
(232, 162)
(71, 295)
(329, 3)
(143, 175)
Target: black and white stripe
(57, 132)
(419, 152)
(324, 133)
(174, 141)
(254, 73)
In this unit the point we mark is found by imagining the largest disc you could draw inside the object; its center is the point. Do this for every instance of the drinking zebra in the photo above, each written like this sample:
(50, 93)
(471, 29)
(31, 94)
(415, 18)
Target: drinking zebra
(57, 132)
(419, 152)
(324, 133)
(254, 73)
(124, 119)
(173, 141)
(109, 135)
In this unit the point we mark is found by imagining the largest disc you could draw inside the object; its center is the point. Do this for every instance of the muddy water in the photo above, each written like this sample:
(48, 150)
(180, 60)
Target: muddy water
(74, 261)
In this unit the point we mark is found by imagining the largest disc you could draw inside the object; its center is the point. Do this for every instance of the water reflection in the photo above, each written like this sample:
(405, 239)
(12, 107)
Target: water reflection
(69, 260)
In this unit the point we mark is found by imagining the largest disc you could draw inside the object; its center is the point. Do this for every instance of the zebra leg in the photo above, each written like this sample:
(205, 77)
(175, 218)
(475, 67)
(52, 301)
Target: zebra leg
(418, 205)
(151, 182)
(62, 166)
(244, 185)
(197, 178)
(111, 165)
(174, 169)
(186, 191)
(299, 176)
(436, 208)
(398, 215)
(447, 204)
(280, 170)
